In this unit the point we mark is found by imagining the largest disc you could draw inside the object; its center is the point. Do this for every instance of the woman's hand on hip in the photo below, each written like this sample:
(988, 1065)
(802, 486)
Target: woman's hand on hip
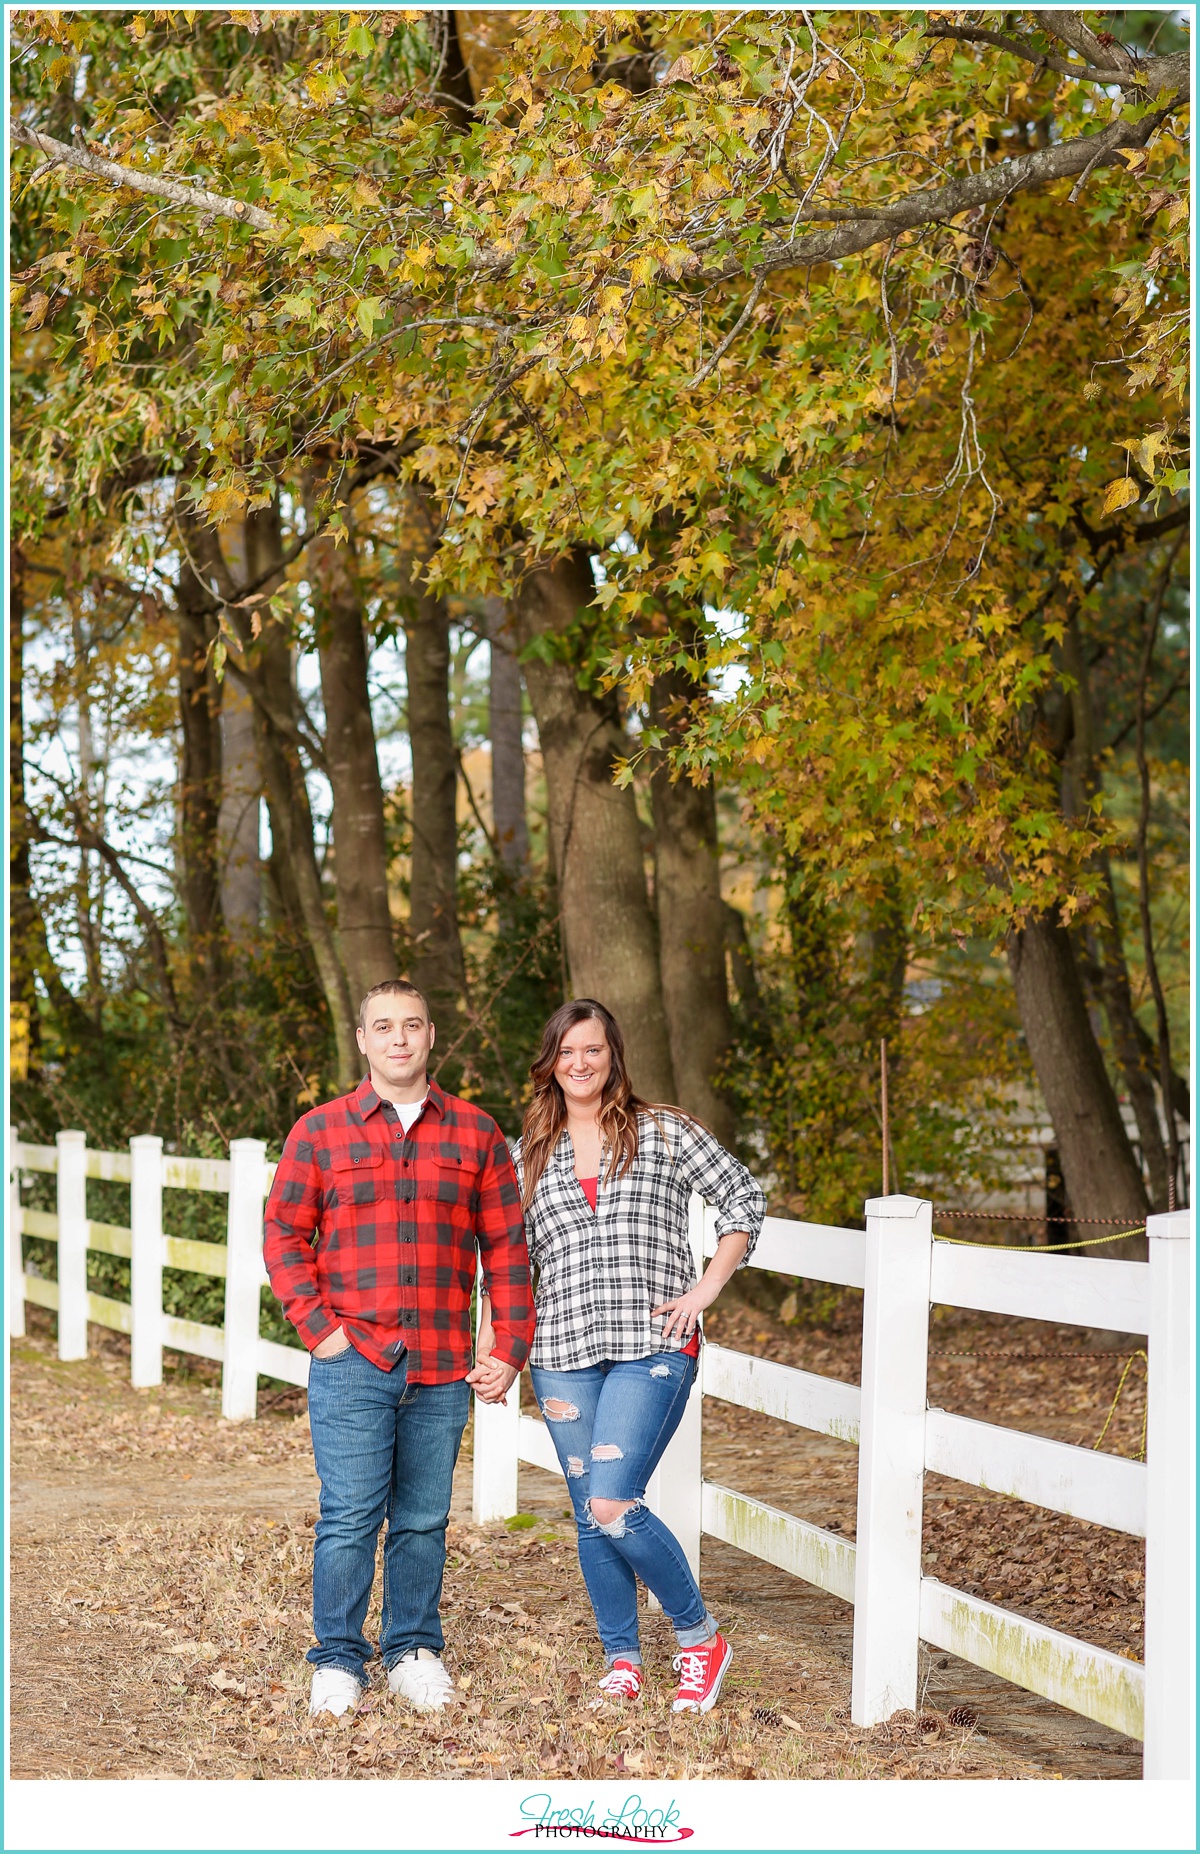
(683, 1313)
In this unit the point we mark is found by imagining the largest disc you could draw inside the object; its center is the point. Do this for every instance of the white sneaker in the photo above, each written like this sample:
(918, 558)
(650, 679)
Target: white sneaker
(420, 1678)
(334, 1690)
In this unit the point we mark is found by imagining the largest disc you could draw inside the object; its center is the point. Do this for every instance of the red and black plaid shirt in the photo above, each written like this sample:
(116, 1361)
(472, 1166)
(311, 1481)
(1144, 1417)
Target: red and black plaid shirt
(376, 1231)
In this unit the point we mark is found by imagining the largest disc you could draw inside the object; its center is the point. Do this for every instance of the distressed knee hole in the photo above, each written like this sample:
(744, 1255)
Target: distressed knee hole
(618, 1510)
(574, 1467)
(558, 1410)
(607, 1451)
(660, 1371)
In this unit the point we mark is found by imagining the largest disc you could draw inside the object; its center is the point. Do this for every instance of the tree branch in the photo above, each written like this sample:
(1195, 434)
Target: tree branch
(383, 464)
(932, 205)
(1134, 533)
(1069, 29)
(702, 373)
(88, 838)
(242, 212)
(1150, 714)
(1155, 75)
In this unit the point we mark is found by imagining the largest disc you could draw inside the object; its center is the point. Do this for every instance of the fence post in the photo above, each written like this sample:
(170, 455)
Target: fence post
(243, 1278)
(891, 1458)
(1169, 1636)
(146, 1267)
(72, 1245)
(675, 1489)
(16, 1254)
(495, 1462)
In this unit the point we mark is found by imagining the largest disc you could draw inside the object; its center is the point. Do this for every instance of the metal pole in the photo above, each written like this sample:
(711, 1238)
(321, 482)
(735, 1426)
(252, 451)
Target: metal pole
(884, 1106)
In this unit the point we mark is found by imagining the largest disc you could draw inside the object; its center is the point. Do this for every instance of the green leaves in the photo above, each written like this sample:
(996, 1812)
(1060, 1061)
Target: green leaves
(369, 312)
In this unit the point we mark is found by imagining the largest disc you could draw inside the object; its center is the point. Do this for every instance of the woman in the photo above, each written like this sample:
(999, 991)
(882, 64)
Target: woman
(605, 1180)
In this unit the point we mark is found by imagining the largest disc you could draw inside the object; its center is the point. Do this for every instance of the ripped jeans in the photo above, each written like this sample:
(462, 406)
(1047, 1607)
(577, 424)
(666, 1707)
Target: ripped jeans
(610, 1424)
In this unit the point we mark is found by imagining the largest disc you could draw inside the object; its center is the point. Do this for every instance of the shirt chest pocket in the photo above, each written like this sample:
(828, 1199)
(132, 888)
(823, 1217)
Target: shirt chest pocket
(445, 1181)
(359, 1178)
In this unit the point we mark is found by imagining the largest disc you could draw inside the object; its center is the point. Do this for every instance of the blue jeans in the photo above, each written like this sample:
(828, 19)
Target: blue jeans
(384, 1449)
(610, 1424)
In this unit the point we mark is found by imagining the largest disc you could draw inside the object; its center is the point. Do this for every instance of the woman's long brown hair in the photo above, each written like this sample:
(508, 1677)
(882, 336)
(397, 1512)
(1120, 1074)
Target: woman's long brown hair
(546, 1115)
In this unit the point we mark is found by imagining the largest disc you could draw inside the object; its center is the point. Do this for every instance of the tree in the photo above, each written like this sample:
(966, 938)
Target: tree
(761, 282)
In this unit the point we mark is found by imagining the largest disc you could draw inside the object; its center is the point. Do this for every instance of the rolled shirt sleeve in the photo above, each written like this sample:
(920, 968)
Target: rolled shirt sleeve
(724, 1181)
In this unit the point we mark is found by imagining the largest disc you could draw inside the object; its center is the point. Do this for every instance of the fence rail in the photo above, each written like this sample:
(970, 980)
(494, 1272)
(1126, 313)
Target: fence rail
(902, 1270)
(244, 1178)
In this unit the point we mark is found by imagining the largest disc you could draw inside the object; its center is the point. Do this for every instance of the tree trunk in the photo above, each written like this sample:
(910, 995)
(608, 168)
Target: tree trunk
(1112, 975)
(238, 818)
(265, 675)
(888, 939)
(608, 930)
(288, 794)
(745, 978)
(508, 753)
(22, 913)
(199, 775)
(1099, 1168)
(359, 844)
(239, 857)
(29, 949)
(1080, 789)
(437, 958)
(89, 908)
(691, 922)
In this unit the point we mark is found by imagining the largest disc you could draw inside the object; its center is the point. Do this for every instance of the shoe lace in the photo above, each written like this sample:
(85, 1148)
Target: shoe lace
(622, 1682)
(691, 1666)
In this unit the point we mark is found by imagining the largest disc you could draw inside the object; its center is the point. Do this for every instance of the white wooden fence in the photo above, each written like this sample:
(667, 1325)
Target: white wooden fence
(244, 1177)
(903, 1270)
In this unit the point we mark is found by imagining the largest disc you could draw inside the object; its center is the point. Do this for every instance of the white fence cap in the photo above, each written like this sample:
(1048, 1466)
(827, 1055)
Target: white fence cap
(1175, 1225)
(896, 1206)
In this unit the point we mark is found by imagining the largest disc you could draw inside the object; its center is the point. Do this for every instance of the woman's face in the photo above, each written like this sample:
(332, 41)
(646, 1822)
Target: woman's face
(584, 1063)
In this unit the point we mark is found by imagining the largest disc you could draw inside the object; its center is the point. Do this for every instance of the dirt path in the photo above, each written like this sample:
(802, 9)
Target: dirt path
(160, 1586)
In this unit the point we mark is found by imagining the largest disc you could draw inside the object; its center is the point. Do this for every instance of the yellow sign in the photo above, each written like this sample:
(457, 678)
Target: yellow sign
(18, 1042)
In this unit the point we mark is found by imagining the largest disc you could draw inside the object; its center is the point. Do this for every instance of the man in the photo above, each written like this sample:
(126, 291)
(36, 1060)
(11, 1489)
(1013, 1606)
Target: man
(379, 1202)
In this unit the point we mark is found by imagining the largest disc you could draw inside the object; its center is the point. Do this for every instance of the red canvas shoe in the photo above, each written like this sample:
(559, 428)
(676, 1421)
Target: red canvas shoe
(622, 1681)
(701, 1671)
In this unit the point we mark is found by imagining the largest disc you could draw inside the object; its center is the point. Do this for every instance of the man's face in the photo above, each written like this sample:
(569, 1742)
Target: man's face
(396, 1039)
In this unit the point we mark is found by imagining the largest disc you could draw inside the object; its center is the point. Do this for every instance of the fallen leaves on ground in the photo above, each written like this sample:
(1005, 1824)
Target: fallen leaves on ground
(172, 1644)
(197, 1631)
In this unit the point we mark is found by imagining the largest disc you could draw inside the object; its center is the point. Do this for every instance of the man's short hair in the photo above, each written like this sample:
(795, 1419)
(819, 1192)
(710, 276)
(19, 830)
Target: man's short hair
(397, 984)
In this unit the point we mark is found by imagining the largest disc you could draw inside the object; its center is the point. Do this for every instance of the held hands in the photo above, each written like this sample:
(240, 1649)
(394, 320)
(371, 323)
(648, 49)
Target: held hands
(490, 1379)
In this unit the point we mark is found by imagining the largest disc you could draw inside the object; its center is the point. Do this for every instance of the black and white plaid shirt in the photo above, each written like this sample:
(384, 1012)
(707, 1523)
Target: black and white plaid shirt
(600, 1272)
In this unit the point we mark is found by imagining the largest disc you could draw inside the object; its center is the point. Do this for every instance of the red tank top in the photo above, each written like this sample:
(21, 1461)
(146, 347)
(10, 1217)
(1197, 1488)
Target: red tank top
(590, 1187)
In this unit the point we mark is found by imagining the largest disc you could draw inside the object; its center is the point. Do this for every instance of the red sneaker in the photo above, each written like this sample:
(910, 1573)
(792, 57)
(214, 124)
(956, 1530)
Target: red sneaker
(701, 1671)
(622, 1681)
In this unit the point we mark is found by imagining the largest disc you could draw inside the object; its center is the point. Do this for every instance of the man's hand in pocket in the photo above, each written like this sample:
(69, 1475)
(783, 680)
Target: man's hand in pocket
(332, 1344)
